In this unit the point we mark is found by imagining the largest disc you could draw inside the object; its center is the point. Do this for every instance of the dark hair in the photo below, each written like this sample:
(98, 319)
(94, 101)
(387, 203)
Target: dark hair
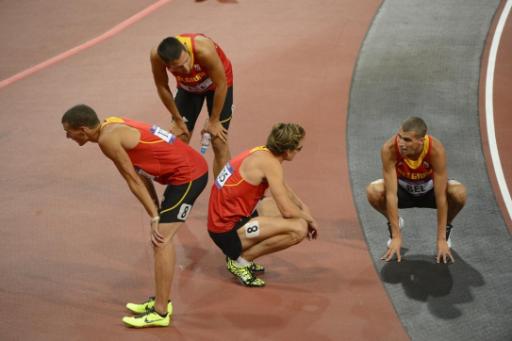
(285, 136)
(415, 124)
(79, 116)
(170, 49)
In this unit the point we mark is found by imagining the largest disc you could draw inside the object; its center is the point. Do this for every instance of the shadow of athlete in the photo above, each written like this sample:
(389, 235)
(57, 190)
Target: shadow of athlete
(441, 286)
(415, 175)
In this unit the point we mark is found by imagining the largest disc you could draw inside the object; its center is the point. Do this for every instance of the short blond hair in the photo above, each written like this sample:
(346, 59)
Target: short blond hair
(285, 136)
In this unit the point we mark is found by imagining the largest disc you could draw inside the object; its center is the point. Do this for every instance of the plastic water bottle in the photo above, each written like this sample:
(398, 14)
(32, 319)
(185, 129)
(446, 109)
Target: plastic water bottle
(205, 142)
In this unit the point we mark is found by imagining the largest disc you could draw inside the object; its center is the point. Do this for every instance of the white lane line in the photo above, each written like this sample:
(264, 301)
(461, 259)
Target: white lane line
(489, 109)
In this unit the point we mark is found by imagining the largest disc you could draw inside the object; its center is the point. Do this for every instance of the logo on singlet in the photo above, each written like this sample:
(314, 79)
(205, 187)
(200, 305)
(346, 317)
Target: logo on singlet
(163, 134)
(224, 175)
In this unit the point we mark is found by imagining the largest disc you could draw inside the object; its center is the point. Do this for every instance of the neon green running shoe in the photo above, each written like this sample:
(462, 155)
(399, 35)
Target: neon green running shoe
(145, 307)
(149, 319)
(244, 274)
(255, 267)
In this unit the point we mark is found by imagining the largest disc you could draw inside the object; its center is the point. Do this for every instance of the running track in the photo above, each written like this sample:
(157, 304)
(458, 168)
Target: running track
(74, 244)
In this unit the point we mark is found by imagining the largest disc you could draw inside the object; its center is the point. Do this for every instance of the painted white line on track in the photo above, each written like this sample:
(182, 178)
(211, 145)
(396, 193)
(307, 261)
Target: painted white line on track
(110, 33)
(489, 109)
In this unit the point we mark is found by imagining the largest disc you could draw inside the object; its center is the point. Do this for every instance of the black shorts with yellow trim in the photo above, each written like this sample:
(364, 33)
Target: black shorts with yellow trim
(190, 104)
(229, 242)
(407, 200)
(179, 199)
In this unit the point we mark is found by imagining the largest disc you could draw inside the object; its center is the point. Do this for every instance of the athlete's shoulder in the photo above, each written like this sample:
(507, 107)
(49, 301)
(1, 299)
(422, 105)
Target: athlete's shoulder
(437, 147)
(388, 149)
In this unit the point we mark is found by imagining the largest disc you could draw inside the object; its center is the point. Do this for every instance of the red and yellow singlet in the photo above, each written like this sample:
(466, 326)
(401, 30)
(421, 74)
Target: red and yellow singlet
(415, 176)
(233, 198)
(197, 80)
(162, 156)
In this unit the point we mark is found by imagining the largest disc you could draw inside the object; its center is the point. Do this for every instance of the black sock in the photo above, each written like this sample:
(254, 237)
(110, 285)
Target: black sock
(163, 316)
(448, 230)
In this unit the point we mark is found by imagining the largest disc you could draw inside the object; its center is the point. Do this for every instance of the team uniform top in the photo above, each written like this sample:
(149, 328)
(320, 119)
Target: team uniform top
(415, 176)
(197, 80)
(161, 156)
(232, 198)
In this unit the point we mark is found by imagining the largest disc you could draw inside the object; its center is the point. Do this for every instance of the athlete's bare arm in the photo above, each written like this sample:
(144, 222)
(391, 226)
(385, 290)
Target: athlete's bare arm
(440, 176)
(388, 157)
(273, 173)
(111, 144)
(207, 56)
(151, 189)
(161, 80)
(312, 228)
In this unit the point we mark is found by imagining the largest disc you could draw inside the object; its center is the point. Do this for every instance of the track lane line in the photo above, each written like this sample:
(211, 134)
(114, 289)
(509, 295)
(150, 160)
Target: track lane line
(110, 33)
(489, 109)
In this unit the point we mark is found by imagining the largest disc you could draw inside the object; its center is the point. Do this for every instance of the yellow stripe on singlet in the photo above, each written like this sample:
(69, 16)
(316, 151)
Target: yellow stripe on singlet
(111, 119)
(255, 149)
(152, 142)
(187, 42)
(413, 164)
(179, 201)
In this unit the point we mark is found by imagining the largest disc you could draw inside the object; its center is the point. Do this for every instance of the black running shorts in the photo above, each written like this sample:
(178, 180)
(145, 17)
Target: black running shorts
(229, 242)
(406, 200)
(190, 104)
(179, 199)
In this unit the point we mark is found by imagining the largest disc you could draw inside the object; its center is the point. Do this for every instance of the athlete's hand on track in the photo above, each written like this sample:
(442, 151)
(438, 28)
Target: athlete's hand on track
(394, 248)
(443, 252)
(216, 129)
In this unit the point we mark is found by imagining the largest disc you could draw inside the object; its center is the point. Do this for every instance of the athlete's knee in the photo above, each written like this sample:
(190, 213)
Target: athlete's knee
(457, 193)
(298, 231)
(375, 191)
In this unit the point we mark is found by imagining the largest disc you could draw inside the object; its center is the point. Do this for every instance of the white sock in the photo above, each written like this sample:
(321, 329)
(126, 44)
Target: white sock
(242, 261)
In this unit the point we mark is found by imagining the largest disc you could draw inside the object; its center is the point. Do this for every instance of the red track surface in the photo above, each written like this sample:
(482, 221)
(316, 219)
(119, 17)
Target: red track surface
(75, 242)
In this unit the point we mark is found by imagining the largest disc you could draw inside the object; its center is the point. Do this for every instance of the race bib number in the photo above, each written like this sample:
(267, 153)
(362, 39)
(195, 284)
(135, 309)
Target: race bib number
(416, 188)
(184, 211)
(163, 134)
(252, 229)
(201, 87)
(223, 176)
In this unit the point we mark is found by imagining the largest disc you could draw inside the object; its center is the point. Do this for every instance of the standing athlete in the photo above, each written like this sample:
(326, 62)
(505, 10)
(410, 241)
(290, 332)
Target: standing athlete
(415, 175)
(202, 71)
(244, 227)
(143, 153)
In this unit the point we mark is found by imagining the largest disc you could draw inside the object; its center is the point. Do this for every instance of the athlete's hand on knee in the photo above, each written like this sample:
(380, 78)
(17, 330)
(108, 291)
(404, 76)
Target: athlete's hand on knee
(394, 248)
(156, 238)
(179, 128)
(216, 129)
(443, 252)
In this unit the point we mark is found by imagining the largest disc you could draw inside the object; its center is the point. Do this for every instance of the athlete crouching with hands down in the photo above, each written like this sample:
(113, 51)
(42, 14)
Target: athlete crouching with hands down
(415, 175)
(245, 226)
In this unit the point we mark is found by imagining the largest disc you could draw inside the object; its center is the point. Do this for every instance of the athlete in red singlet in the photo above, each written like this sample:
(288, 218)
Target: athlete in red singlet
(244, 227)
(232, 198)
(202, 72)
(143, 153)
(415, 175)
(162, 156)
